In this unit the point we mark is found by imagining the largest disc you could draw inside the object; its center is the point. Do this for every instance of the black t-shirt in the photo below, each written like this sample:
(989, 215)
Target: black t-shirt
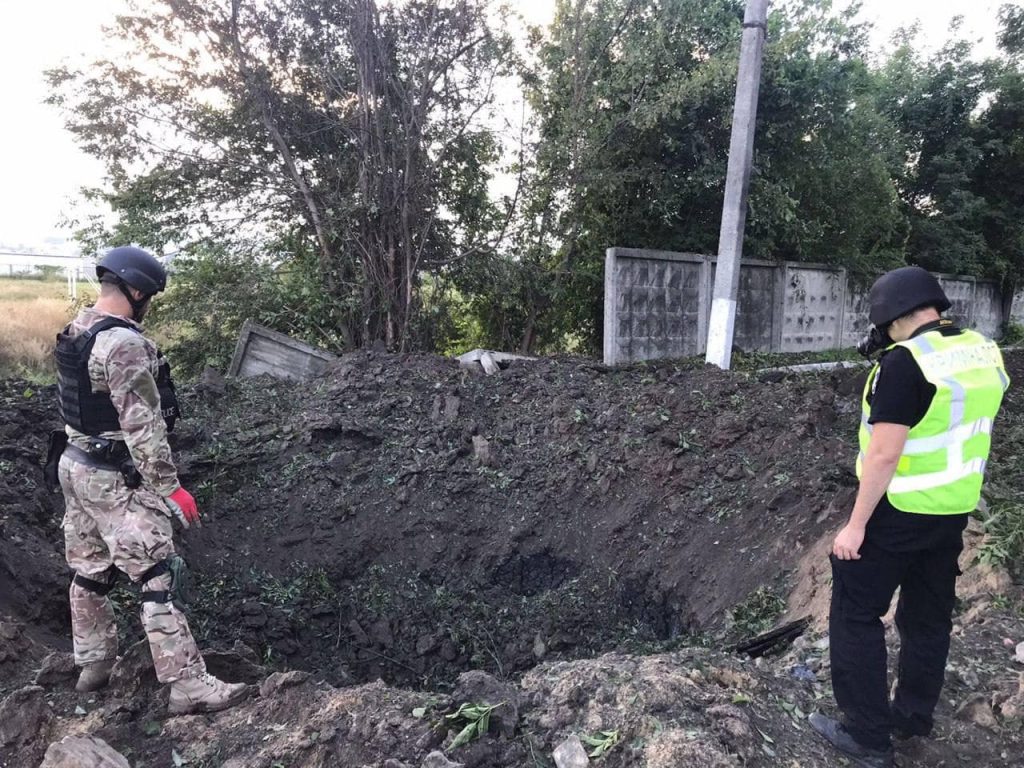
(900, 394)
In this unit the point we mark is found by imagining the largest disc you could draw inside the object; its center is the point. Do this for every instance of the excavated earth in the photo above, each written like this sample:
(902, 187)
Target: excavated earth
(577, 544)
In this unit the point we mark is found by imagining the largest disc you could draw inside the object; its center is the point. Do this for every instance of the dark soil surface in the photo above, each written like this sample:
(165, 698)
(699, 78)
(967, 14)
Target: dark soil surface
(403, 519)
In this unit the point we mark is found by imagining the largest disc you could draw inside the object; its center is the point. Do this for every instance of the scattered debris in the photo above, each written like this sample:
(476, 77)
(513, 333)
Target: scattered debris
(263, 351)
(571, 754)
(775, 640)
(491, 362)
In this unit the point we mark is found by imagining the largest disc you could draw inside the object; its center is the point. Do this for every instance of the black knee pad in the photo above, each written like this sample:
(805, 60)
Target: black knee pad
(101, 588)
(178, 593)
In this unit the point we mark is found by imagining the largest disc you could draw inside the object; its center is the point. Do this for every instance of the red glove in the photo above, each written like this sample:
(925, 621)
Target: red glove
(184, 507)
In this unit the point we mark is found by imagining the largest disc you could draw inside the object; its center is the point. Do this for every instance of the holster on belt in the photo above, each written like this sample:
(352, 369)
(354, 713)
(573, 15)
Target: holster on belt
(110, 455)
(55, 449)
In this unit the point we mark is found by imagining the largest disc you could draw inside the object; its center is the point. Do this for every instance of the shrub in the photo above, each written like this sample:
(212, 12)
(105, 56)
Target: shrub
(212, 292)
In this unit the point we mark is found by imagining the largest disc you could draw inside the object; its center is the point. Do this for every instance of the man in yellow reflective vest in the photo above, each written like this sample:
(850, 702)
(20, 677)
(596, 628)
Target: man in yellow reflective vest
(925, 435)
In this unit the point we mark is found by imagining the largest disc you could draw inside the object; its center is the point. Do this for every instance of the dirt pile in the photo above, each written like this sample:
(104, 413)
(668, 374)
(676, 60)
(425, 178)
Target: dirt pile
(400, 518)
(694, 707)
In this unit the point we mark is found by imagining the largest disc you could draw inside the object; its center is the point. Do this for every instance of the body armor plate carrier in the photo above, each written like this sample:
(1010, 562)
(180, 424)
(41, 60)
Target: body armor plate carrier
(93, 412)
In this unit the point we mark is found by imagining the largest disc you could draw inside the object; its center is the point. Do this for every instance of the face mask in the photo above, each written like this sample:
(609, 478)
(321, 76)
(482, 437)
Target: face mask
(877, 339)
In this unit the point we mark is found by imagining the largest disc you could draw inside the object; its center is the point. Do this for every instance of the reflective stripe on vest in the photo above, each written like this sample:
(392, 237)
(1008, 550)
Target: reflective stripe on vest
(942, 465)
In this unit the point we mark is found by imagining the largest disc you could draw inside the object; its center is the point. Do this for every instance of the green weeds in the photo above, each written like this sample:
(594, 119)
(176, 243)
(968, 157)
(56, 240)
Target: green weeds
(307, 584)
(1004, 524)
(602, 743)
(1014, 335)
(475, 720)
(758, 612)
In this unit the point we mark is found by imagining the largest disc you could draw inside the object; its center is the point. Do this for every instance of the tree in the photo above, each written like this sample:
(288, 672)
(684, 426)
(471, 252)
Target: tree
(961, 127)
(358, 132)
(999, 134)
(633, 101)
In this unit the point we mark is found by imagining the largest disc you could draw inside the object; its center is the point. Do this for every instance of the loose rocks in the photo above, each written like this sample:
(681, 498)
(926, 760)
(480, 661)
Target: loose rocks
(83, 752)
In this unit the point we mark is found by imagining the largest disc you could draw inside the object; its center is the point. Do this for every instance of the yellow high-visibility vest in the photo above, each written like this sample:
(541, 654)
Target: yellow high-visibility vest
(942, 466)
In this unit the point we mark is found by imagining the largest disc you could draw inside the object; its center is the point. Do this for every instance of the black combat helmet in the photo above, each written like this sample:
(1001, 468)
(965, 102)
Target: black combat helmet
(901, 291)
(135, 267)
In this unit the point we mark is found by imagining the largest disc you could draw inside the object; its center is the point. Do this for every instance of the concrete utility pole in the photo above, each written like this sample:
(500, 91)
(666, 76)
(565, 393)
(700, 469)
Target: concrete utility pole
(734, 210)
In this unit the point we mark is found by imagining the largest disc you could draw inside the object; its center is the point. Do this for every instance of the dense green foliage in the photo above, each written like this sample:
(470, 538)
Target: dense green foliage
(333, 162)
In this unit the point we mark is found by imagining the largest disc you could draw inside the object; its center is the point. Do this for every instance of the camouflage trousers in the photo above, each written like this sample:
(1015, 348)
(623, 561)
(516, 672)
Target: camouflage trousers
(108, 524)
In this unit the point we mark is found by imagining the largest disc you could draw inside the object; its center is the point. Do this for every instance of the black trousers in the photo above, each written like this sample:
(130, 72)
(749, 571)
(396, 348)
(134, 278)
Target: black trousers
(862, 592)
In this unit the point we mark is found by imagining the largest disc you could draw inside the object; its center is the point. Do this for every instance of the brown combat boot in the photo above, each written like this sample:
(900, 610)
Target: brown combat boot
(94, 676)
(204, 693)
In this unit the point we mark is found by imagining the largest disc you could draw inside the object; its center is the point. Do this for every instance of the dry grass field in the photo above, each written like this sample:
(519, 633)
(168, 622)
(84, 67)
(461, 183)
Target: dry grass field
(31, 314)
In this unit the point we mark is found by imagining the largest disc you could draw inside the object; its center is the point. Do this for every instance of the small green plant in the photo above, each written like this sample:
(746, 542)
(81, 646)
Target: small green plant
(602, 743)
(722, 513)
(305, 582)
(1004, 526)
(152, 728)
(758, 612)
(686, 443)
(1014, 335)
(1002, 603)
(476, 719)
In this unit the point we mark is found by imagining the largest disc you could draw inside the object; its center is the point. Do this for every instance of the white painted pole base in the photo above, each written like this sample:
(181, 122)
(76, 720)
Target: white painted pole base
(720, 329)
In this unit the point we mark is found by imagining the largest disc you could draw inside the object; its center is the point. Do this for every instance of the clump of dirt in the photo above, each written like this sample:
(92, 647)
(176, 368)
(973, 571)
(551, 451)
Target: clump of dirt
(404, 519)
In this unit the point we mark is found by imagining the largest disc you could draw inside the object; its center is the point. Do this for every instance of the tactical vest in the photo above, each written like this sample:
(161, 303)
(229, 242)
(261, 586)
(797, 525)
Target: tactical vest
(942, 466)
(93, 412)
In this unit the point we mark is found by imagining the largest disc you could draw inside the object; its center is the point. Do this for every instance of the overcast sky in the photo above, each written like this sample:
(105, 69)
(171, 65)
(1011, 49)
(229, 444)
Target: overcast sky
(41, 169)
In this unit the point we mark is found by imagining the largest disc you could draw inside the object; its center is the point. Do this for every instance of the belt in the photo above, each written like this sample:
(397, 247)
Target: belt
(75, 453)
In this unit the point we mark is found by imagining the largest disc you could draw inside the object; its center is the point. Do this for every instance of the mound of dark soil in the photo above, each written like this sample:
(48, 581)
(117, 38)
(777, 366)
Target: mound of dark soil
(33, 586)
(402, 518)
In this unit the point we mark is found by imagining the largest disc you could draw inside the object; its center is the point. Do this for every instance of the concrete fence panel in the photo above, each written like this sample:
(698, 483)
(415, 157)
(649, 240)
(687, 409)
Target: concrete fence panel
(987, 315)
(756, 321)
(855, 317)
(814, 302)
(657, 305)
(960, 292)
(653, 305)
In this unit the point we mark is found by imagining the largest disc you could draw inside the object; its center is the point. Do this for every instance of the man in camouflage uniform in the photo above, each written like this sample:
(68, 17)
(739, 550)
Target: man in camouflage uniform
(121, 487)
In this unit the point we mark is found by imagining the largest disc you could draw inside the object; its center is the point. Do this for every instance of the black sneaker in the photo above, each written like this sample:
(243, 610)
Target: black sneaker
(836, 734)
(904, 728)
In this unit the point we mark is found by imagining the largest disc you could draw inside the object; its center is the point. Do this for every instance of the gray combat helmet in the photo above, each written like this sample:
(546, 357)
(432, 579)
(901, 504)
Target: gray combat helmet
(135, 267)
(903, 290)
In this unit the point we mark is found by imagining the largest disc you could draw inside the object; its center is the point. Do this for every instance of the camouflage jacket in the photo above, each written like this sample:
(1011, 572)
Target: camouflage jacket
(124, 363)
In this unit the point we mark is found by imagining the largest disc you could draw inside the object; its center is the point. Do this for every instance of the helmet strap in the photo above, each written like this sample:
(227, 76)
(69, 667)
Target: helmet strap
(138, 305)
